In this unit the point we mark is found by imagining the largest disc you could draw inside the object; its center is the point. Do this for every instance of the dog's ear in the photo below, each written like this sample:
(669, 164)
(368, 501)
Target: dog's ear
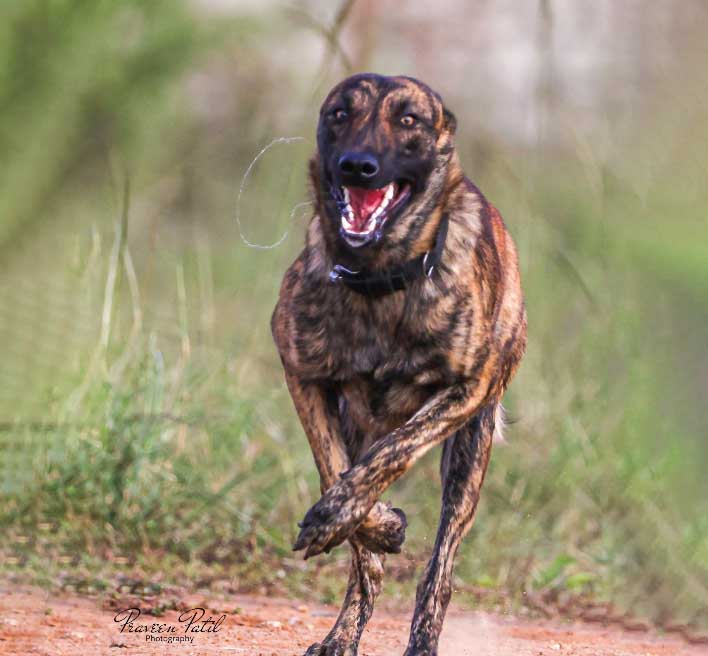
(314, 167)
(449, 121)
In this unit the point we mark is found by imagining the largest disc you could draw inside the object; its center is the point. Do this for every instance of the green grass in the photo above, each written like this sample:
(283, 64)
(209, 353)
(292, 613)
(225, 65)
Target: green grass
(146, 427)
(180, 445)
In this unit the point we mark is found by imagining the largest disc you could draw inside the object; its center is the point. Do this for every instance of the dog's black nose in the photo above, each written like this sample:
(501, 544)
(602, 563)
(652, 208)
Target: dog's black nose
(358, 166)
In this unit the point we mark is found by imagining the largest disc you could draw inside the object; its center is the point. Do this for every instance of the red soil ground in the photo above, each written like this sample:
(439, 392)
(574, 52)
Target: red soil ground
(33, 621)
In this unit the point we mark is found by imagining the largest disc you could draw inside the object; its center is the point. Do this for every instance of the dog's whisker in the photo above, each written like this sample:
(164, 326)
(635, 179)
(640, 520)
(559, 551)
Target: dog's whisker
(242, 186)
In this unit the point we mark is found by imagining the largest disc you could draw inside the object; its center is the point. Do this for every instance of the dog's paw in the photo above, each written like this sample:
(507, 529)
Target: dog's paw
(384, 529)
(330, 521)
(332, 648)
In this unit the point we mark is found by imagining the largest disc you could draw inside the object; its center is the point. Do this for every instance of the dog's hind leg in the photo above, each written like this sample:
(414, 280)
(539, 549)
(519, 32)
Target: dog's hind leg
(365, 580)
(464, 463)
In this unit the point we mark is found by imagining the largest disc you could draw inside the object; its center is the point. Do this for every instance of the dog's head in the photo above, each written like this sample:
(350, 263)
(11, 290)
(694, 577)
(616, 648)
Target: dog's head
(383, 145)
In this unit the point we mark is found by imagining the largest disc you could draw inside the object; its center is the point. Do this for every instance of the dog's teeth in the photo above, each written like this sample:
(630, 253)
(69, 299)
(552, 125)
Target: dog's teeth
(389, 193)
(346, 195)
(348, 217)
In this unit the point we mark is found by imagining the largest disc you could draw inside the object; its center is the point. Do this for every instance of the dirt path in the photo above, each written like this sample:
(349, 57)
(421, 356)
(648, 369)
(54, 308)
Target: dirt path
(35, 622)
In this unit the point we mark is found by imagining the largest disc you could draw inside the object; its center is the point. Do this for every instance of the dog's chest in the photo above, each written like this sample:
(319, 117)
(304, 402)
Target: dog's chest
(378, 341)
(382, 356)
(387, 368)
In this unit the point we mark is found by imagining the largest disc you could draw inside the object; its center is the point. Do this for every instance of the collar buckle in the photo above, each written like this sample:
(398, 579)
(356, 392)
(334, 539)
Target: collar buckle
(339, 272)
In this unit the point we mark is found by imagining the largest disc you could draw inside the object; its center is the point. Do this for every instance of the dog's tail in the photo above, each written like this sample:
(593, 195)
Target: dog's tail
(499, 424)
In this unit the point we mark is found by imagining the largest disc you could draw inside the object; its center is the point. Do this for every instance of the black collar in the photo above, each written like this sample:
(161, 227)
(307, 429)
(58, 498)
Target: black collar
(380, 283)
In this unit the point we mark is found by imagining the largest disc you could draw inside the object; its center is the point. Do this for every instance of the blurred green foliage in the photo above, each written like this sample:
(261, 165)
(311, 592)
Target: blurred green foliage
(143, 418)
(76, 81)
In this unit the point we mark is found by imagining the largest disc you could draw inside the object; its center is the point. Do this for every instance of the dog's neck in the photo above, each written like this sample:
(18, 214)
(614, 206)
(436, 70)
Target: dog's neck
(408, 237)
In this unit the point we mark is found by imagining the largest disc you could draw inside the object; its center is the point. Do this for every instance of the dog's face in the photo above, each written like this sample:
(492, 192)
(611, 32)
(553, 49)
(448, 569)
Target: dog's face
(380, 139)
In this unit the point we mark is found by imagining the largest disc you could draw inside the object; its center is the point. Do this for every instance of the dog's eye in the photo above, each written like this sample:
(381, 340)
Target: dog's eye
(409, 120)
(339, 115)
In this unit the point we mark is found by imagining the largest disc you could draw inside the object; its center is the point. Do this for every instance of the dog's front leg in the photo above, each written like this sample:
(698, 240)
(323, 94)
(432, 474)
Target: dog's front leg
(320, 421)
(347, 502)
(383, 529)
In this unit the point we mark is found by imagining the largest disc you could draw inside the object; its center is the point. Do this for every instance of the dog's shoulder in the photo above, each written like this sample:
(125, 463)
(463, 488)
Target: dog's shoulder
(281, 319)
(308, 311)
(479, 310)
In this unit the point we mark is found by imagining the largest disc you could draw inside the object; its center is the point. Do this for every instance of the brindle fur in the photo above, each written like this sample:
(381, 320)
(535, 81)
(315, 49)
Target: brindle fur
(379, 381)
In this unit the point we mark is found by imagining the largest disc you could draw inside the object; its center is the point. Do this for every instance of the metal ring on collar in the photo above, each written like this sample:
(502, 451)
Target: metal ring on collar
(428, 271)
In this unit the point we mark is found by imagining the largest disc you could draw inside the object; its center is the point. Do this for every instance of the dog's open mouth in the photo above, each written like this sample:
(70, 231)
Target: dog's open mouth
(364, 211)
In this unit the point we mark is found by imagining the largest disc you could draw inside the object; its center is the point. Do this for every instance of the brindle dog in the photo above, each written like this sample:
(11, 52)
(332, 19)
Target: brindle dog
(399, 327)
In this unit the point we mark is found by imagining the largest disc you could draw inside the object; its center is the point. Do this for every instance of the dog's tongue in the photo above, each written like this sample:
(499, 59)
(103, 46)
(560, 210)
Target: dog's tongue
(363, 203)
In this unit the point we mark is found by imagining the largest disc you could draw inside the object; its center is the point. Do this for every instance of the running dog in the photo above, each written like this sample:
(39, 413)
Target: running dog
(399, 326)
